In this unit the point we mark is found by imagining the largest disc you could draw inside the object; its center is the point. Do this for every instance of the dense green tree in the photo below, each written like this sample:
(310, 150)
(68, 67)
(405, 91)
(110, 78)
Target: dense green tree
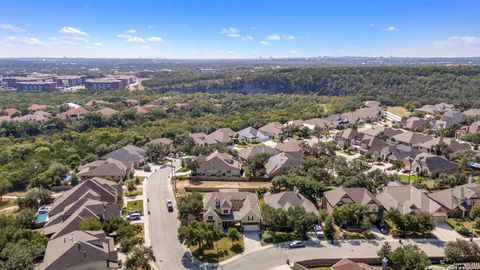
(190, 207)
(233, 234)
(90, 224)
(256, 163)
(409, 257)
(198, 233)
(140, 258)
(461, 251)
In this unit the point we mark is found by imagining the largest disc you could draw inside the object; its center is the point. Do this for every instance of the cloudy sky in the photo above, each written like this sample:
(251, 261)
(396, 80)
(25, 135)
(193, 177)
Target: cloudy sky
(238, 29)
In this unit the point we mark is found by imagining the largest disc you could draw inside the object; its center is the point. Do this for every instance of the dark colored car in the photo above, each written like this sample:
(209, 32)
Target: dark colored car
(169, 205)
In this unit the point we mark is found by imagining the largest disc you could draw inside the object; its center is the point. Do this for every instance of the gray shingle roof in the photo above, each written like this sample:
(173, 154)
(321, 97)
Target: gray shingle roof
(289, 199)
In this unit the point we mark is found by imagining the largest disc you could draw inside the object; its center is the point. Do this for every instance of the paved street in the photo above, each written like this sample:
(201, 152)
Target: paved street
(275, 257)
(163, 225)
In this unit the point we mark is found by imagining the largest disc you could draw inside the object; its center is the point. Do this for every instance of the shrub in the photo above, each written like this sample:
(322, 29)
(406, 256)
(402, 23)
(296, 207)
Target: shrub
(267, 237)
(462, 230)
(476, 223)
(147, 168)
(237, 248)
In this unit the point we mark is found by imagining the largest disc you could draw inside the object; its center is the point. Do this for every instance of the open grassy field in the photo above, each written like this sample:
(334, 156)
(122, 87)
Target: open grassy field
(415, 178)
(399, 110)
(222, 184)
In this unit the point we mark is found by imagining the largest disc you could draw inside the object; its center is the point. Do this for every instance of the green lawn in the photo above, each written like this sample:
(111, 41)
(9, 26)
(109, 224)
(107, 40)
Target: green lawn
(415, 178)
(133, 206)
(224, 249)
(182, 169)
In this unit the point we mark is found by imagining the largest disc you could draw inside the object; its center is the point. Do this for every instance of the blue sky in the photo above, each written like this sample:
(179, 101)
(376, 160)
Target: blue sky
(238, 29)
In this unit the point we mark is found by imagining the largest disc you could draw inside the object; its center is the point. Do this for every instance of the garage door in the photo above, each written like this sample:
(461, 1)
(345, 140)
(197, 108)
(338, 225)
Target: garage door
(251, 227)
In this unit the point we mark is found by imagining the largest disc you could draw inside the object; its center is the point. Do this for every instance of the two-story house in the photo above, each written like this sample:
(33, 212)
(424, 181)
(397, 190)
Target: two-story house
(218, 164)
(340, 196)
(457, 201)
(230, 207)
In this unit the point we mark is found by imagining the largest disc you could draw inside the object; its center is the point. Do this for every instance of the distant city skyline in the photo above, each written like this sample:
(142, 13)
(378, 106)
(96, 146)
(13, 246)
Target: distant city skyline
(239, 29)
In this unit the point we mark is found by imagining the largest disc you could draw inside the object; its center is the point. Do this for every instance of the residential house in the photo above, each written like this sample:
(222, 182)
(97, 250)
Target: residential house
(71, 217)
(223, 136)
(218, 164)
(459, 200)
(94, 188)
(433, 165)
(37, 107)
(73, 114)
(415, 124)
(227, 208)
(131, 156)
(289, 146)
(344, 138)
(399, 152)
(165, 141)
(368, 145)
(133, 102)
(470, 129)
(30, 118)
(109, 168)
(410, 138)
(107, 111)
(251, 135)
(318, 122)
(201, 139)
(80, 250)
(409, 199)
(472, 113)
(245, 153)
(340, 196)
(287, 199)
(10, 111)
(346, 264)
(382, 132)
(337, 120)
(431, 110)
(273, 130)
(282, 162)
(364, 115)
(452, 144)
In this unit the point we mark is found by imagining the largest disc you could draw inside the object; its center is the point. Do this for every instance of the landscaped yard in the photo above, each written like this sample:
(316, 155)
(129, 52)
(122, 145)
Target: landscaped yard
(133, 206)
(223, 249)
(138, 191)
(182, 169)
(415, 178)
(459, 222)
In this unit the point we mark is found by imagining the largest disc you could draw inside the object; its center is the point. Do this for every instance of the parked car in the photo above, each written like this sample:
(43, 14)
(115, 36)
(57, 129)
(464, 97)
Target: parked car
(296, 244)
(134, 216)
(169, 205)
(382, 228)
(318, 231)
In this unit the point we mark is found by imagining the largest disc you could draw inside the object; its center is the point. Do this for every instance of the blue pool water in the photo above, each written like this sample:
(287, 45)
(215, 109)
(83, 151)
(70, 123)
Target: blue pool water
(41, 217)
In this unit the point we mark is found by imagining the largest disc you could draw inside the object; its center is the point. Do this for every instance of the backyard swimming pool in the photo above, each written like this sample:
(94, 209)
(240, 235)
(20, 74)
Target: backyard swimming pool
(41, 217)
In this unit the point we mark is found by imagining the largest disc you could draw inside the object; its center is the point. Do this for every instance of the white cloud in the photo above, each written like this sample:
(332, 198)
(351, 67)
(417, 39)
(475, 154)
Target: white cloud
(390, 29)
(457, 41)
(371, 24)
(229, 31)
(155, 39)
(68, 30)
(98, 44)
(265, 43)
(293, 52)
(131, 31)
(276, 37)
(234, 33)
(136, 40)
(124, 36)
(11, 28)
(150, 27)
(145, 47)
(31, 41)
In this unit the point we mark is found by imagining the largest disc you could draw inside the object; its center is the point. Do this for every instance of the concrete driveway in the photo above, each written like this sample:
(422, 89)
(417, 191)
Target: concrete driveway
(445, 233)
(251, 241)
